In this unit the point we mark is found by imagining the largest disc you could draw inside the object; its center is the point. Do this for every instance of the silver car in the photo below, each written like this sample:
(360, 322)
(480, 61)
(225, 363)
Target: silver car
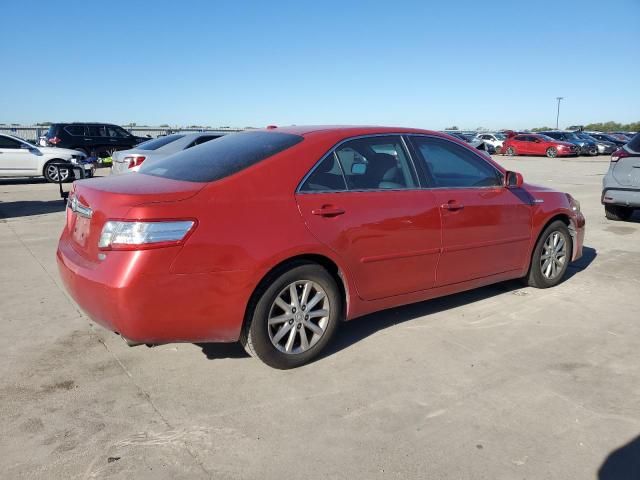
(621, 184)
(125, 161)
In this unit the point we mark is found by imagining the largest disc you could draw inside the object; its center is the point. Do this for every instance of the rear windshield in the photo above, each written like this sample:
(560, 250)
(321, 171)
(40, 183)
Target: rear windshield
(226, 156)
(634, 143)
(156, 143)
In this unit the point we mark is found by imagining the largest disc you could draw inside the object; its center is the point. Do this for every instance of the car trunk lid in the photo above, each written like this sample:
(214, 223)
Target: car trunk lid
(95, 201)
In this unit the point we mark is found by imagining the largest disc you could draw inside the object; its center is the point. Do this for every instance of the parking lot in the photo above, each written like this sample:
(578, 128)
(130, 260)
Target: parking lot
(504, 382)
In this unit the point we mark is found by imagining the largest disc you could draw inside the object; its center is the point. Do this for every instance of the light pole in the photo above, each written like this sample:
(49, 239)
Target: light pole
(558, 115)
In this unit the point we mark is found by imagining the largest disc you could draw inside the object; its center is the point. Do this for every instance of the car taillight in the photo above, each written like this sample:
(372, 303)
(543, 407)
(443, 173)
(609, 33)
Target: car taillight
(54, 140)
(134, 160)
(618, 154)
(132, 235)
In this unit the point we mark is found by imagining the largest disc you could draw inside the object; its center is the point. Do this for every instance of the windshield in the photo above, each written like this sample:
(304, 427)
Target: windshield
(500, 136)
(156, 143)
(227, 155)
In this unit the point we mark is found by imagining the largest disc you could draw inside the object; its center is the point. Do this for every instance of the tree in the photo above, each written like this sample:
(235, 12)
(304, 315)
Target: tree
(452, 128)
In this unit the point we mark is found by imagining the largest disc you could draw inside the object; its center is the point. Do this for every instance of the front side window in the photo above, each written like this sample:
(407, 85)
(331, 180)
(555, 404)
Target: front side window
(520, 138)
(450, 165)
(222, 158)
(376, 163)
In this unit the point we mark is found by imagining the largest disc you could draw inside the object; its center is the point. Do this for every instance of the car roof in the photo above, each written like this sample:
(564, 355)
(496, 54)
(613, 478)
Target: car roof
(346, 130)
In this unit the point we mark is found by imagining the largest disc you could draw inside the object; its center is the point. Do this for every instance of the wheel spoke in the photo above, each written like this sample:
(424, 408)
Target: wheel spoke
(306, 290)
(545, 256)
(304, 341)
(283, 305)
(292, 338)
(560, 244)
(318, 313)
(547, 272)
(313, 327)
(315, 300)
(282, 332)
(293, 292)
(280, 318)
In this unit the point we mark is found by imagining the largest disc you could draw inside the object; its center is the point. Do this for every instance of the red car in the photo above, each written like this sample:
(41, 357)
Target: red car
(535, 144)
(273, 237)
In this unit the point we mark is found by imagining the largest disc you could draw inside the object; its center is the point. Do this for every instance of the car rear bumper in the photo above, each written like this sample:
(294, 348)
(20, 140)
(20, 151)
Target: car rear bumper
(628, 197)
(154, 307)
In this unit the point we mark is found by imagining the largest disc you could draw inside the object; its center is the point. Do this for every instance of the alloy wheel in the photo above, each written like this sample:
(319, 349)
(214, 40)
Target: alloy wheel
(56, 174)
(554, 255)
(298, 317)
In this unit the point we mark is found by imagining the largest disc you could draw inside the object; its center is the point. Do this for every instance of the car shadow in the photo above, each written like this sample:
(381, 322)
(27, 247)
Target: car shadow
(588, 256)
(623, 463)
(22, 181)
(355, 331)
(27, 208)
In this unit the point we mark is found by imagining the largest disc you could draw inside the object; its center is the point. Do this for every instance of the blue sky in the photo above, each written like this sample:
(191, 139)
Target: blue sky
(471, 64)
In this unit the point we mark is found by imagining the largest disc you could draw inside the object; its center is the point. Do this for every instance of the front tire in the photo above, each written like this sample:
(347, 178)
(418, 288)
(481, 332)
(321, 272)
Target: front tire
(551, 256)
(511, 151)
(552, 152)
(618, 213)
(295, 316)
(54, 175)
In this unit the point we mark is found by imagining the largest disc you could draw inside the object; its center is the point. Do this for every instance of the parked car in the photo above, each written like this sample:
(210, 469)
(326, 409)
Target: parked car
(19, 158)
(585, 147)
(537, 144)
(474, 142)
(152, 150)
(273, 237)
(94, 139)
(494, 139)
(623, 137)
(607, 138)
(621, 184)
(604, 147)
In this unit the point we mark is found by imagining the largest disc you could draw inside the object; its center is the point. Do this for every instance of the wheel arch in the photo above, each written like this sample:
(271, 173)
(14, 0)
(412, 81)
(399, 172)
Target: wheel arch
(308, 258)
(563, 217)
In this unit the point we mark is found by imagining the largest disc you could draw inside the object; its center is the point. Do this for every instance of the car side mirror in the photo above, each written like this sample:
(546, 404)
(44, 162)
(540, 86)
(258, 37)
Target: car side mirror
(513, 180)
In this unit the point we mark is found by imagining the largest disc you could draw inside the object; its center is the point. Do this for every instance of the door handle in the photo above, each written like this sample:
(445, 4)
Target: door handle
(452, 205)
(328, 211)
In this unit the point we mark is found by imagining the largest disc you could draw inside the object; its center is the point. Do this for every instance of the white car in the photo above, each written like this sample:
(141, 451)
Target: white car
(493, 139)
(19, 158)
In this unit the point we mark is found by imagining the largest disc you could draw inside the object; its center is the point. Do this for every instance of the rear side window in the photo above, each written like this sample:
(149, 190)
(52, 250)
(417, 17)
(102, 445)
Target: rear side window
(227, 155)
(452, 166)
(634, 143)
(327, 177)
(156, 143)
(97, 131)
(75, 130)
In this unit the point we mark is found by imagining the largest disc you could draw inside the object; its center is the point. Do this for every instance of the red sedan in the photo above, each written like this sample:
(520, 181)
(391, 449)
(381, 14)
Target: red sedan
(273, 237)
(535, 144)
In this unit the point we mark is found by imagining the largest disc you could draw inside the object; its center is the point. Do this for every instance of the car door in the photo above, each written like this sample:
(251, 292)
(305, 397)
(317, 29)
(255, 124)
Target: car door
(536, 145)
(486, 228)
(16, 157)
(364, 201)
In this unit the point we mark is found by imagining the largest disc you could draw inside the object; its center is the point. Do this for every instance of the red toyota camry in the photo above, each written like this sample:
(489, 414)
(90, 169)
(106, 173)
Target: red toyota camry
(273, 237)
(536, 144)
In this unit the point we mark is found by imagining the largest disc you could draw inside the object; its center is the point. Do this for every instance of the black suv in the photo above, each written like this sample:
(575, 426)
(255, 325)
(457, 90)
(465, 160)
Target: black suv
(95, 139)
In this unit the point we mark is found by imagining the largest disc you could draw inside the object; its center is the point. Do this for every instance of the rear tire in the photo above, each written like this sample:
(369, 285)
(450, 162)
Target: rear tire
(618, 213)
(552, 152)
(286, 330)
(551, 256)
